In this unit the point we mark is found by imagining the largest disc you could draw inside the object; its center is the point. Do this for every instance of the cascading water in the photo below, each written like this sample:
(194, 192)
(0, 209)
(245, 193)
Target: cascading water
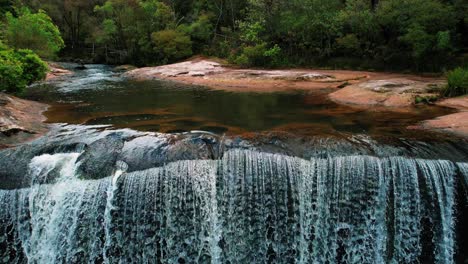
(248, 207)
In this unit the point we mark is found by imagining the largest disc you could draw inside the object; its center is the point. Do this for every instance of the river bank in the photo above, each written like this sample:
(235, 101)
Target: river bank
(360, 99)
(22, 120)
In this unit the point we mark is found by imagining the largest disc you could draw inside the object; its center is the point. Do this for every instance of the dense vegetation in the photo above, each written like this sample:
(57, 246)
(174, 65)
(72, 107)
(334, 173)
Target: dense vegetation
(28, 37)
(421, 35)
(424, 35)
(19, 68)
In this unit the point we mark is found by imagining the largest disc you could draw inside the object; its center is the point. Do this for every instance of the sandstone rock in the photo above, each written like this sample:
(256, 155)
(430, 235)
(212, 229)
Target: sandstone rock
(191, 68)
(399, 92)
(455, 123)
(18, 115)
(460, 103)
(56, 71)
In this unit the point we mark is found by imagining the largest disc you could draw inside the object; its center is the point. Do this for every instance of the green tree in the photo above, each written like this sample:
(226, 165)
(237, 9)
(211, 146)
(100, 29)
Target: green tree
(34, 31)
(418, 28)
(19, 68)
(171, 45)
(128, 25)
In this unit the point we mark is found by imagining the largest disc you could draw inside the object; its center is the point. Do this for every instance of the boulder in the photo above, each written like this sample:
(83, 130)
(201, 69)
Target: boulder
(99, 158)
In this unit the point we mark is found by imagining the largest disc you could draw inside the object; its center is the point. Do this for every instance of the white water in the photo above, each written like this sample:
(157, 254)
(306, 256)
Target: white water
(248, 207)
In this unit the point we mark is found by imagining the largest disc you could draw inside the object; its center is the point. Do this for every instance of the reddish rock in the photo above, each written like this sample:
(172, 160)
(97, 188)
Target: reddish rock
(455, 123)
(460, 103)
(20, 120)
(392, 93)
(201, 71)
(56, 71)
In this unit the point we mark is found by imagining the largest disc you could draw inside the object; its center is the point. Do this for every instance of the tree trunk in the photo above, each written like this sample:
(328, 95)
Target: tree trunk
(374, 4)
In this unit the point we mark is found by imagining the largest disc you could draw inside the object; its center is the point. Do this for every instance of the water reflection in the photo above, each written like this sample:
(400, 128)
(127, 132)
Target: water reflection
(99, 96)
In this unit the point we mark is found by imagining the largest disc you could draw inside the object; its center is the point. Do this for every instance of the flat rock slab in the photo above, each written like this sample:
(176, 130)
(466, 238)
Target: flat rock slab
(398, 92)
(460, 103)
(190, 68)
(215, 75)
(18, 116)
(455, 123)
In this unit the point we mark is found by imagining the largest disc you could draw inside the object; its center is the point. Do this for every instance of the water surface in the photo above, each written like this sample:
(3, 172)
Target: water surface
(98, 96)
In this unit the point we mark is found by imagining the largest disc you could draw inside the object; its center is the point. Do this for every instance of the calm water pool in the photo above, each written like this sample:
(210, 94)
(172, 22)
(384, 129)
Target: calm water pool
(98, 96)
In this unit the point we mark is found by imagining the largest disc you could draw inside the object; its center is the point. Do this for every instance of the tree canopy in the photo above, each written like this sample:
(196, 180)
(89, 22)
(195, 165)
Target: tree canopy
(34, 31)
(382, 34)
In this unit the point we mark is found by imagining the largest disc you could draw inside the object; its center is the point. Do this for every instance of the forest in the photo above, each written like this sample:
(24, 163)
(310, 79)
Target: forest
(396, 35)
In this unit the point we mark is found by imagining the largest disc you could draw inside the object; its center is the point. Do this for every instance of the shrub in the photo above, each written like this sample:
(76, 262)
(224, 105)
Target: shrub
(171, 45)
(34, 69)
(11, 72)
(255, 54)
(457, 82)
(20, 68)
(259, 55)
(34, 31)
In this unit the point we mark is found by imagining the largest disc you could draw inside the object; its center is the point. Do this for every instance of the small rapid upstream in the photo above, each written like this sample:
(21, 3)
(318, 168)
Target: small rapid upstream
(247, 207)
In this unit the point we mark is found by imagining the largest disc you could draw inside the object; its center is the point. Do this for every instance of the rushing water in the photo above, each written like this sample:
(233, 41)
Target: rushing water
(248, 207)
(86, 194)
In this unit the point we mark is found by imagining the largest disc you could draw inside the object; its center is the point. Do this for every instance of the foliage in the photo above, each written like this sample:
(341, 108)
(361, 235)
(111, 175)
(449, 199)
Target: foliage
(171, 45)
(34, 31)
(11, 72)
(424, 35)
(127, 28)
(19, 68)
(457, 82)
(34, 68)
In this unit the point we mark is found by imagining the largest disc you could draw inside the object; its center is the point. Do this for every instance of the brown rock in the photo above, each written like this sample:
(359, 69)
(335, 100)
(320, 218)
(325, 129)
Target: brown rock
(460, 103)
(392, 93)
(18, 116)
(455, 123)
(56, 71)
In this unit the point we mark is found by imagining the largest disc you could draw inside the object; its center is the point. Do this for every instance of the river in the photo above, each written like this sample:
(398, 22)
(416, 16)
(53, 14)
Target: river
(160, 172)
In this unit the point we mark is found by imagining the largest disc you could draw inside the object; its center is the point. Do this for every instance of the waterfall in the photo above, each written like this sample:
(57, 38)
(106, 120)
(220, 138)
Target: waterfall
(247, 207)
(464, 171)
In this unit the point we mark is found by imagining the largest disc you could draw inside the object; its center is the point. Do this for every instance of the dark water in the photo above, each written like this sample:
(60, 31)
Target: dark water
(327, 191)
(97, 96)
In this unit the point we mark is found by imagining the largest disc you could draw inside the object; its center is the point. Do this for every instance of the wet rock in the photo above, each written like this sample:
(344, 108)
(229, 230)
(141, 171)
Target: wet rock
(148, 151)
(14, 163)
(99, 158)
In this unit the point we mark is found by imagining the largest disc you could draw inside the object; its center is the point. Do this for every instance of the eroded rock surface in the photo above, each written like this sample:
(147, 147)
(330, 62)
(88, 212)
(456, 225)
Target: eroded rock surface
(215, 75)
(20, 119)
(56, 71)
(455, 123)
(394, 92)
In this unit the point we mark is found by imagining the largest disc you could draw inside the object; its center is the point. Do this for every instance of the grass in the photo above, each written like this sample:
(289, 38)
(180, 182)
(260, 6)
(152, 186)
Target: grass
(457, 82)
